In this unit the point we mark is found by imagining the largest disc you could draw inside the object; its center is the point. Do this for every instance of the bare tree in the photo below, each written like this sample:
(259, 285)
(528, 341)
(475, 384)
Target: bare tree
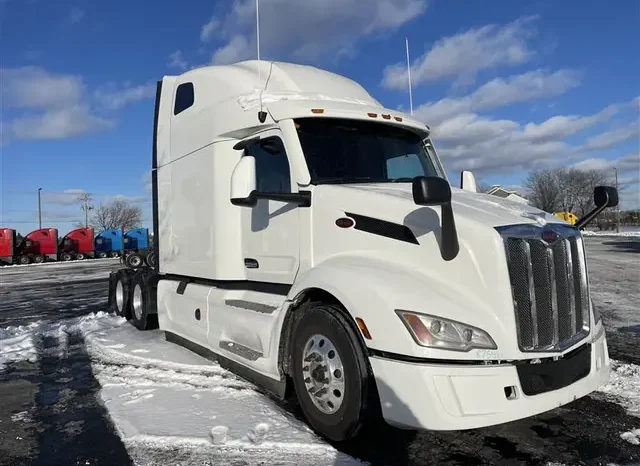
(544, 189)
(565, 189)
(116, 214)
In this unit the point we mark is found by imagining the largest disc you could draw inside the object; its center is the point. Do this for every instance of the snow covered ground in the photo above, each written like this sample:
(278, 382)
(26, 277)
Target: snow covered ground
(170, 406)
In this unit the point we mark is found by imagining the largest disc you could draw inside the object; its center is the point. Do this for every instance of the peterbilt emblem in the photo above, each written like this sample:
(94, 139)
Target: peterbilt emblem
(549, 236)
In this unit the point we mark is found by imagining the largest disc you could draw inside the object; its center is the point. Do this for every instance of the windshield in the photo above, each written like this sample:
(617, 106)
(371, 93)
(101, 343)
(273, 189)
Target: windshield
(354, 151)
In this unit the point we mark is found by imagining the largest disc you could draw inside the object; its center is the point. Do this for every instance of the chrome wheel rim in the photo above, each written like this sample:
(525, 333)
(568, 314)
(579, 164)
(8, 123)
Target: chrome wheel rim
(119, 296)
(137, 302)
(135, 261)
(323, 373)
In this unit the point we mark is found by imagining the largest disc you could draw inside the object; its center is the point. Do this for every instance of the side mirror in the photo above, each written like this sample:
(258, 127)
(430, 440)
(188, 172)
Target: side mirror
(435, 191)
(468, 181)
(243, 181)
(431, 190)
(603, 197)
(606, 196)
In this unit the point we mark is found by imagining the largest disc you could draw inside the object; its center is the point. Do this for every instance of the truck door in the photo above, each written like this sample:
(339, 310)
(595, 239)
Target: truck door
(270, 229)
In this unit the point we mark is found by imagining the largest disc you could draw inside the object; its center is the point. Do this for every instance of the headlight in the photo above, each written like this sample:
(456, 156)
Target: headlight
(436, 332)
(596, 313)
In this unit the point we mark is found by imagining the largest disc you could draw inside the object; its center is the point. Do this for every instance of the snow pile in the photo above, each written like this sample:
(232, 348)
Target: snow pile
(17, 344)
(633, 436)
(629, 234)
(624, 386)
(162, 397)
(21, 343)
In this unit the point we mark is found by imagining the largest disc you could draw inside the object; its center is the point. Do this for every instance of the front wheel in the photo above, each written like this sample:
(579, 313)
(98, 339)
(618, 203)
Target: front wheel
(65, 257)
(24, 260)
(330, 371)
(102, 255)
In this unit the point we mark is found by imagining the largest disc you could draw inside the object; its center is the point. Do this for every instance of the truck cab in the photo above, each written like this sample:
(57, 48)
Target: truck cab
(77, 244)
(309, 238)
(7, 245)
(108, 243)
(38, 246)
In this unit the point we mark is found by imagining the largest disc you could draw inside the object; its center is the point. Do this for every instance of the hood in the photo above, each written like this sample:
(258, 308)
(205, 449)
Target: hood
(474, 207)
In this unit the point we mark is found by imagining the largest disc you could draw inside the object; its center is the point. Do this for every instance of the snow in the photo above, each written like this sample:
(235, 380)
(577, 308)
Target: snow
(629, 234)
(624, 386)
(88, 261)
(161, 396)
(633, 436)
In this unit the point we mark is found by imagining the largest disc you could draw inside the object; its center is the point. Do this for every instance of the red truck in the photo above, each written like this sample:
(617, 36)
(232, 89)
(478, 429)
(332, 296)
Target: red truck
(43, 245)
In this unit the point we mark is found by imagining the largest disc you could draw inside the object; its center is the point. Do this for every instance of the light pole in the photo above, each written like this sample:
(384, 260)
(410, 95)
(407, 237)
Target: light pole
(39, 209)
(615, 169)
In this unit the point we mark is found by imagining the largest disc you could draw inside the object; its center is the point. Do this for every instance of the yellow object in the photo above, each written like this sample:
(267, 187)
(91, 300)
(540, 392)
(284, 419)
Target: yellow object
(568, 217)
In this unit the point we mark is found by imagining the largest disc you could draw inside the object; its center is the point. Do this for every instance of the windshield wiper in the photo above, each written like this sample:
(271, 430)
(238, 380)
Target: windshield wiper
(406, 179)
(346, 179)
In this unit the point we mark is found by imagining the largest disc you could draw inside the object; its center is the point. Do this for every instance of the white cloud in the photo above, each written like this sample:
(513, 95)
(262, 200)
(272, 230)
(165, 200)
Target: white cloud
(471, 141)
(500, 92)
(114, 98)
(52, 106)
(208, 29)
(629, 162)
(463, 55)
(176, 60)
(76, 15)
(58, 124)
(66, 197)
(611, 138)
(304, 29)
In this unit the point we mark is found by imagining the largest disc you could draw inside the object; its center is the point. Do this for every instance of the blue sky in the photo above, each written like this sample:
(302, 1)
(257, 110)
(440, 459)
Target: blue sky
(507, 86)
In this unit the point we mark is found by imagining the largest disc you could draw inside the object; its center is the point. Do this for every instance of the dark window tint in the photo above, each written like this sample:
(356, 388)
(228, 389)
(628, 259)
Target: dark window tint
(185, 97)
(351, 151)
(272, 166)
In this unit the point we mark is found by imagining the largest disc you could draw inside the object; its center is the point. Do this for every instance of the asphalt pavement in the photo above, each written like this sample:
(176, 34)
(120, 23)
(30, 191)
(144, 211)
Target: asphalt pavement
(50, 413)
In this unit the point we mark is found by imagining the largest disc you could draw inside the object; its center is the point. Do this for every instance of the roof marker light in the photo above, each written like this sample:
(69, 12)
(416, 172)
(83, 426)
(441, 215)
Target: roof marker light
(317, 110)
(398, 118)
(386, 117)
(373, 115)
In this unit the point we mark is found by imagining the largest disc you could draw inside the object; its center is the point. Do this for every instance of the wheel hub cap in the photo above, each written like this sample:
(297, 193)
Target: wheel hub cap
(323, 374)
(119, 296)
(137, 302)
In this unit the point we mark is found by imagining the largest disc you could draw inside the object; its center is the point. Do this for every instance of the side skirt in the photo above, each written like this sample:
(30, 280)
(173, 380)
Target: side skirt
(274, 387)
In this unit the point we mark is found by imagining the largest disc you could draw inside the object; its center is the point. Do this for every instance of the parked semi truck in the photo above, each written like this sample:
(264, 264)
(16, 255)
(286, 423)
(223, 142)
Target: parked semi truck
(108, 243)
(309, 239)
(137, 248)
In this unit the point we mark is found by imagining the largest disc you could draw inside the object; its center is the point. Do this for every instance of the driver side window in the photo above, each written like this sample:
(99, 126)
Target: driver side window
(272, 166)
(403, 166)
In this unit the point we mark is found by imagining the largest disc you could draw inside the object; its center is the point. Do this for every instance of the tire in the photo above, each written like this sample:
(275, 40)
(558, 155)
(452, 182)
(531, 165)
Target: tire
(144, 313)
(39, 259)
(80, 256)
(65, 257)
(24, 260)
(351, 391)
(119, 293)
(150, 260)
(134, 260)
(115, 254)
(102, 255)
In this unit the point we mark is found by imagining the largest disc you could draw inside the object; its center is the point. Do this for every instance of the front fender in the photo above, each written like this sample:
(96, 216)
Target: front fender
(372, 289)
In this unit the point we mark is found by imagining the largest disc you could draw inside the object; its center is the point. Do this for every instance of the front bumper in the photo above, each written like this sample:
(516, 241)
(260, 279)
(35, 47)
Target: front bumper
(457, 397)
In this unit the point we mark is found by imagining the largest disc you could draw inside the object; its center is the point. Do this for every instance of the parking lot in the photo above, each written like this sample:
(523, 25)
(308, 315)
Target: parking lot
(79, 386)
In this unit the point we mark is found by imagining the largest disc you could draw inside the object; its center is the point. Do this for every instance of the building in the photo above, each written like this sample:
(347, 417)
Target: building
(504, 194)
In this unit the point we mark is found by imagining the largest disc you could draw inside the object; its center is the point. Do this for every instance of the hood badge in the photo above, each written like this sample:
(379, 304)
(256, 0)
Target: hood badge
(538, 217)
(549, 236)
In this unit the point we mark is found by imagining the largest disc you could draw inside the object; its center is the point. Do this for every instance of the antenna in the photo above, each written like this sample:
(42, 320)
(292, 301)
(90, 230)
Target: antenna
(258, 36)
(408, 74)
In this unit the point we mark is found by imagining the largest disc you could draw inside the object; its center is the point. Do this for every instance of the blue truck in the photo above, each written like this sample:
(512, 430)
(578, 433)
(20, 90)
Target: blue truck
(137, 248)
(108, 243)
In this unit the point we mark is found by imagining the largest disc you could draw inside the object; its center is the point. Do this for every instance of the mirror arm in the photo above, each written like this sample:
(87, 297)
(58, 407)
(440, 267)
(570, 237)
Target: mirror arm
(303, 198)
(584, 221)
(450, 243)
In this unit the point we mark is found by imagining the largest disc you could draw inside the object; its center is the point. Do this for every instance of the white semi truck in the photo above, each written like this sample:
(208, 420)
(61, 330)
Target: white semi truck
(309, 240)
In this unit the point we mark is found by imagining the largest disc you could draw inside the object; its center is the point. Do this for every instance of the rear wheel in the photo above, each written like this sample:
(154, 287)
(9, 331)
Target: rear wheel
(39, 259)
(102, 255)
(134, 260)
(144, 314)
(65, 257)
(119, 293)
(24, 260)
(80, 256)
(331, 373)
(150, 260)
(115, 254)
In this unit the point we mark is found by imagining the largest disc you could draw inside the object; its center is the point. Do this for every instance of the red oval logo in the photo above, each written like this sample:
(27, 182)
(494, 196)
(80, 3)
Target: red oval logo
(345, 222)
(549, 236)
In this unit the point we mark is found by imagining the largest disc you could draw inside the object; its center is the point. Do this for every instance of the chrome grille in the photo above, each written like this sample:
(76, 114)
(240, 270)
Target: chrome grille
(549, 286)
